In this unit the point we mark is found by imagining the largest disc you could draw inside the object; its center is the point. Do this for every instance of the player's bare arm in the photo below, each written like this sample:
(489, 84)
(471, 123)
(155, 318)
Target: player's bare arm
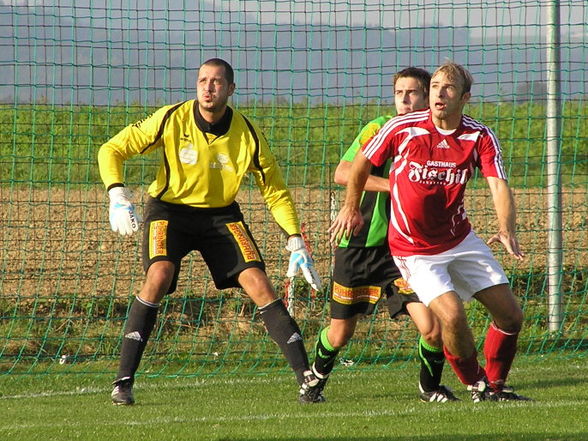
(349, 220)
(505, 211)
(373, 183)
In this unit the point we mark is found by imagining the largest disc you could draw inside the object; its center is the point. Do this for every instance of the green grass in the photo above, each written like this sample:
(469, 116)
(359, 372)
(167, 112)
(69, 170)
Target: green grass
(48, 145)
(367, 404)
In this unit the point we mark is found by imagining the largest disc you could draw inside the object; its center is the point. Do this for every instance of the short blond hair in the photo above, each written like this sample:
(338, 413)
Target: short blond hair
(456, 72)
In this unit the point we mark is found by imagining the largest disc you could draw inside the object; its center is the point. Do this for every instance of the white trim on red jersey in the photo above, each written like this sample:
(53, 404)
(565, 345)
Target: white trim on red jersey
(469, 122)
(375, 143)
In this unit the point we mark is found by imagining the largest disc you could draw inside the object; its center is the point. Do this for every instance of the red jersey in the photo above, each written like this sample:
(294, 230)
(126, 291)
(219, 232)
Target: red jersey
(428, 178)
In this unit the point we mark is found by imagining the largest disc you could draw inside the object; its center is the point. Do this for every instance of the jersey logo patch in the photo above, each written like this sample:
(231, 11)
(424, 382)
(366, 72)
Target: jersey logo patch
(443, 145)
(436, 172)
(188, 155)
(349, 296)
(158, 238)
(222, 163)
(248, 249)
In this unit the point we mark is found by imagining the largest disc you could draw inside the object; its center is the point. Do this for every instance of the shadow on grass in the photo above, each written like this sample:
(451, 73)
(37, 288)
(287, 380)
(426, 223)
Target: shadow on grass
(546, 383)
(471, 437)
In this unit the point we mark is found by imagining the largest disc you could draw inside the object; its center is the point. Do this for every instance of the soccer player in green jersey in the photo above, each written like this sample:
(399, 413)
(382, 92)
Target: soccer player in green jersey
(364, 270)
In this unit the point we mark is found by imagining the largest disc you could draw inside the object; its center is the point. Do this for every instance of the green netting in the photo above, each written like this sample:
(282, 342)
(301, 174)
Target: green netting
(310, 73)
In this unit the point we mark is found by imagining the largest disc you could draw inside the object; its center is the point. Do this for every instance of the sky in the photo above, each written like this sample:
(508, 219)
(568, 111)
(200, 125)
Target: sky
(480, 15)
(100, 49)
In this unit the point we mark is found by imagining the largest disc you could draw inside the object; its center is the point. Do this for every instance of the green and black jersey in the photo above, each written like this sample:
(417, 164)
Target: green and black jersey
(375, 206)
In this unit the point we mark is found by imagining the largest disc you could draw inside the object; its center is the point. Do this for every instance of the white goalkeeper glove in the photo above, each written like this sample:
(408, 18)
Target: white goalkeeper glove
(123, 218)
(300, 259)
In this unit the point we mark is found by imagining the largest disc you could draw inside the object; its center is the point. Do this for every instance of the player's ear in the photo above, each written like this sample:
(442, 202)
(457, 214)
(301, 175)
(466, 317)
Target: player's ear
(232, 87)
(466, 97)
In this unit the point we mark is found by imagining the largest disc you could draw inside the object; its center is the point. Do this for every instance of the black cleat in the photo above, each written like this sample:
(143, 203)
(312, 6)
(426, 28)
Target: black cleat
(122, 394)
(311, 390)
(441, 395)
(507, 394)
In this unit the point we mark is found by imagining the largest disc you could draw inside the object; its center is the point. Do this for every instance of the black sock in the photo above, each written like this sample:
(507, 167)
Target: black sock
(139, 325)
(285, 332)
(432, 360)
(326, 354)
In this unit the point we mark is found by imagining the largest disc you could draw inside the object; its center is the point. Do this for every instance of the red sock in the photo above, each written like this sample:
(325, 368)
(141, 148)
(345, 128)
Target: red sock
(499, 349)
(468, 370)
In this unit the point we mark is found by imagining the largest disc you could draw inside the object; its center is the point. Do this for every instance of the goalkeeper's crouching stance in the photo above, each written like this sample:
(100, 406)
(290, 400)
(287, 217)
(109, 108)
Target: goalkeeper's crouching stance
(207, 147)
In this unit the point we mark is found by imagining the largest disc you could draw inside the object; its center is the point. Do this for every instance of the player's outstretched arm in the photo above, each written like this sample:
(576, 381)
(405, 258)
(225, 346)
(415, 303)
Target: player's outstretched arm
(506, 213)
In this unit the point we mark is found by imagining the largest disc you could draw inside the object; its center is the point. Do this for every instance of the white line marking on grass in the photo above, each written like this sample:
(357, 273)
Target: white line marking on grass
(145, 385)
(292, 415)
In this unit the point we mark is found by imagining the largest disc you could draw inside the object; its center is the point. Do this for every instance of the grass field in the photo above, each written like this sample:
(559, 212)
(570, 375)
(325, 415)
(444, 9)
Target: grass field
(364, 404)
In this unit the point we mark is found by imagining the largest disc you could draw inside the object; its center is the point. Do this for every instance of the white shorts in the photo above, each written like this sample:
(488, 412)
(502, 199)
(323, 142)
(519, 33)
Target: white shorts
(466, 269)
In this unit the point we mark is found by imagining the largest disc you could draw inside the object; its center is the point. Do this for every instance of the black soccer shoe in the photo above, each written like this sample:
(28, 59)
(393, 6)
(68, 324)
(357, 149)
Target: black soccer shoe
(507, 394)
(441, 395)
(122, 394)
(311, 390)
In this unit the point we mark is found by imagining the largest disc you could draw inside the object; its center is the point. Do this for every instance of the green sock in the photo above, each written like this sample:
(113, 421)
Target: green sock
(326, 354)
(432, 360)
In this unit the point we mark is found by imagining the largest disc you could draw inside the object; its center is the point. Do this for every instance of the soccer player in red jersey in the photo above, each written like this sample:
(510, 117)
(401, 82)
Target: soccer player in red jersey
(435, 153)
(364, 271)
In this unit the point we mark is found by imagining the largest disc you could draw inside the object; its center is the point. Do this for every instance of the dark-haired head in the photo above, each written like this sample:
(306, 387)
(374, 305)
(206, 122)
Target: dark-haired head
(421, 75)
(229, 73)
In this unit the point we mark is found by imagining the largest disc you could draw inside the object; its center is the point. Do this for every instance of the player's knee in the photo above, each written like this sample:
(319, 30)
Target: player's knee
(340, 338)
(512, 323)
(454, 324)
(339, 341)
(257, 286)
(160, 276)
(433, 337)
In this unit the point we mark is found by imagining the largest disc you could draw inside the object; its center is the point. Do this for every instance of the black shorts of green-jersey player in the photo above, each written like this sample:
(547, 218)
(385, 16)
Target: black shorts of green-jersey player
(361, 277)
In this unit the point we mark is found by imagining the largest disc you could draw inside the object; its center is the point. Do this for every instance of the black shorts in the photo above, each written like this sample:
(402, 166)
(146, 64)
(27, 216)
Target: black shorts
(360, 277)
(221, 236)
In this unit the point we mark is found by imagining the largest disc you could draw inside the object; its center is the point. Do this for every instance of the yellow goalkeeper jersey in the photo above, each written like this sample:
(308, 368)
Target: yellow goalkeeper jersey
(201, 168)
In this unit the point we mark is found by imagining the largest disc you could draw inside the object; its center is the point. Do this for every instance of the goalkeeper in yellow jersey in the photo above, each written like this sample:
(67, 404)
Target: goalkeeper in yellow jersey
(207, 148)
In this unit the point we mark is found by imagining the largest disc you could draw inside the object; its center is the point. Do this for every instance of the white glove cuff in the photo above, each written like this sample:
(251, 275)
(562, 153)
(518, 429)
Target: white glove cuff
(118, 193)
(295, 243)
